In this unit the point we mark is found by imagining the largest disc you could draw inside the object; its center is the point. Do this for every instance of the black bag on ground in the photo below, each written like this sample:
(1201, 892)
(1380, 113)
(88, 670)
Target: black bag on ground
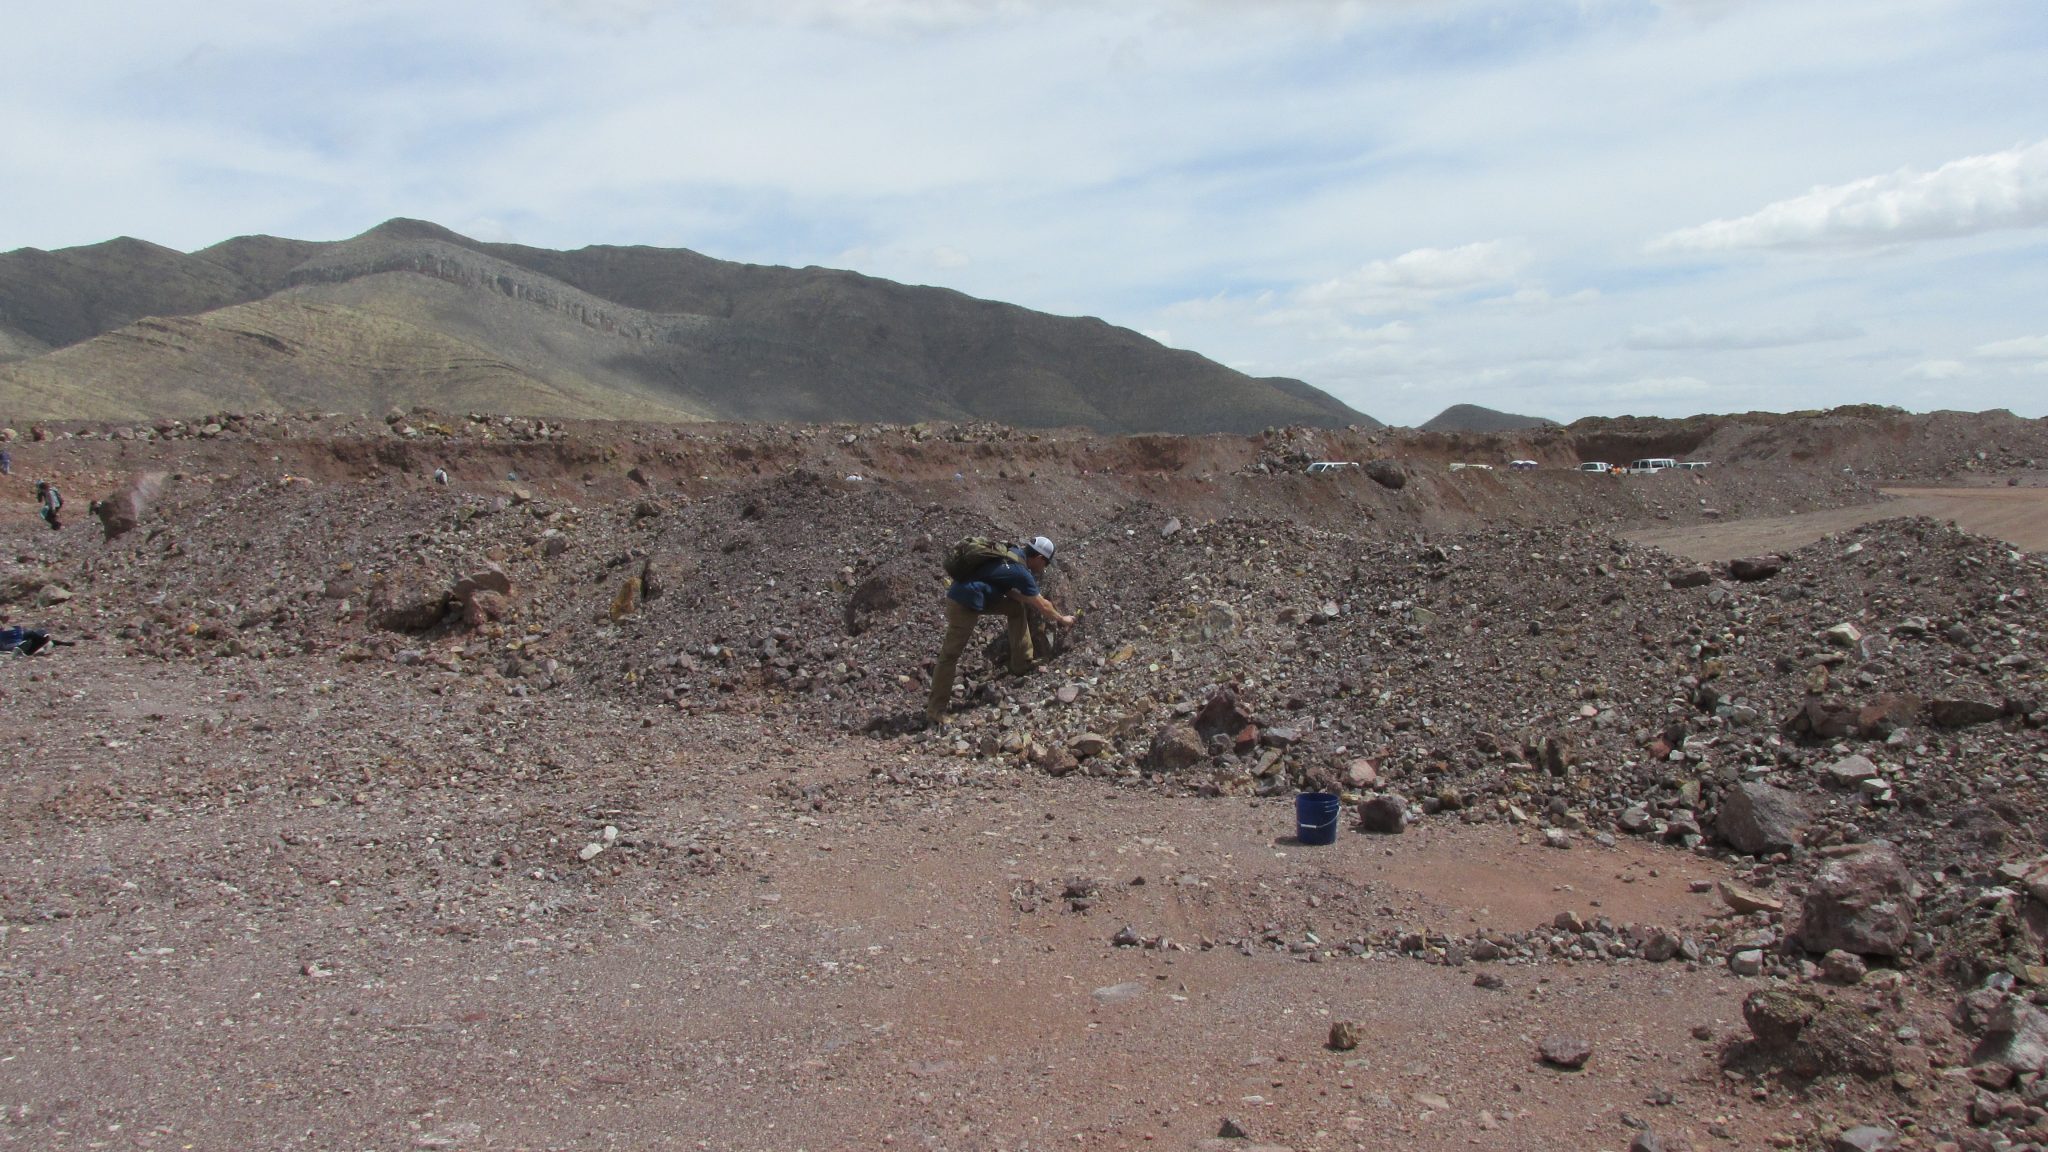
(972, 554)
(26, 641)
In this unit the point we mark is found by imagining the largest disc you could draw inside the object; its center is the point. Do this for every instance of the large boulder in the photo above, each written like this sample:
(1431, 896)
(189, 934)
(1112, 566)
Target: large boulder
(1175, 747)
(1758, 819)
(1860, 901)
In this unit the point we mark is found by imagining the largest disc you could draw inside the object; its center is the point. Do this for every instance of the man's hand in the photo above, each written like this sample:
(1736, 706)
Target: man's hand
(1067, 621)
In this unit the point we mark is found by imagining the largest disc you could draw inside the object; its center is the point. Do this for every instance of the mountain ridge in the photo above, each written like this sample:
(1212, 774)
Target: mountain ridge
(600, 331)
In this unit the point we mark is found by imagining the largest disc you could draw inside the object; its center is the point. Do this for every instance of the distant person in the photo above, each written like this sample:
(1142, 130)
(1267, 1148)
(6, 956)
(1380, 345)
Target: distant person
(6, 462)
(440, 475)
(49, 502)
(1003, 583)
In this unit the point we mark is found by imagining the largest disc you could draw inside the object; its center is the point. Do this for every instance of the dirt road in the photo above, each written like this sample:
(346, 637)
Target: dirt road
(2018, 516)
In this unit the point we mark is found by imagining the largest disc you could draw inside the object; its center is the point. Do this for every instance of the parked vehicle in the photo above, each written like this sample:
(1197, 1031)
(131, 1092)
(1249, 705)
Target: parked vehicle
(1694, 465)
(1322, 466)
(1461, 466)
(1522, 465)
(1596, 466)
(1650, 466)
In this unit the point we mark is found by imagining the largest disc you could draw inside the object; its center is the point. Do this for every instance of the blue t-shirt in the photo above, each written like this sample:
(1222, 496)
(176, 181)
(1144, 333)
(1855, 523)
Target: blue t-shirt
(993, 582)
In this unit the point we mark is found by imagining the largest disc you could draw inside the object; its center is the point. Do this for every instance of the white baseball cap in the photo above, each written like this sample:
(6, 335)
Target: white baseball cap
(1042, 546)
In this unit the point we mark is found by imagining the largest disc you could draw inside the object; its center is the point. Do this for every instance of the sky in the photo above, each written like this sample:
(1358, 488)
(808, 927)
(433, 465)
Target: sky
(1559, 208)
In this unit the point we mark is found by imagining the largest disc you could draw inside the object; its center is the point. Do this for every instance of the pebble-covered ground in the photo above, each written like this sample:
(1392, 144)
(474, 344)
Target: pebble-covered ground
(585, 800)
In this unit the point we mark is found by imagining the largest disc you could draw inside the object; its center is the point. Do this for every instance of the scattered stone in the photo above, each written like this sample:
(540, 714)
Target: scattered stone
(1087, 744)
(1843, 967)
(1693, 577)
(2015, 1035)
(1745, 901)
(1563, 1051)
(1746, 962)
(1386, 814)
(1758, 819)
(1850, 772)
(1753, 568)
(1175, 747)
(1662, 947)
(1344, 1035)
(1866, 1138)
(1386, 474)
(1961, 713)
(1810, 1035)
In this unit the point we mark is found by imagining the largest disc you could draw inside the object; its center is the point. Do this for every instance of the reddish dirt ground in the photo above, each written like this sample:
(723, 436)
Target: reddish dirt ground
(276, 970)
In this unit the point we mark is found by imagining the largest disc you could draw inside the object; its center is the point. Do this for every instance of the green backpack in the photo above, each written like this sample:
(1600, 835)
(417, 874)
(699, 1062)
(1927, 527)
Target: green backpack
(973, 554)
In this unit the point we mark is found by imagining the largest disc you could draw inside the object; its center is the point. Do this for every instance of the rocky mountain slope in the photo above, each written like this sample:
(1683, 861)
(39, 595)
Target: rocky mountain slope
(411, 313)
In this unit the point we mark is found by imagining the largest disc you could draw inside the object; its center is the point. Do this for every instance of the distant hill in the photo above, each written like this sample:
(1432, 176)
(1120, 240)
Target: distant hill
(411, 313)
(1473, 418)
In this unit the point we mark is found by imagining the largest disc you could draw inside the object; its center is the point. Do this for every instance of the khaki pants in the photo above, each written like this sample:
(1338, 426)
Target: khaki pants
(960, 623)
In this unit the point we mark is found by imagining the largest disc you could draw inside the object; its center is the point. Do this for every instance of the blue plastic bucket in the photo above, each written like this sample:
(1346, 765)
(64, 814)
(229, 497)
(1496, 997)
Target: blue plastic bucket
(1315, 817)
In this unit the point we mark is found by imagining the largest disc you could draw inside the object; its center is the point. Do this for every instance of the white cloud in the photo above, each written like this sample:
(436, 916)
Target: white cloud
(1418, 277)
(1691, 335)
(1975, 194)
(1660, 387)
(1544, 298)
(2023, 348)
(1938, 370)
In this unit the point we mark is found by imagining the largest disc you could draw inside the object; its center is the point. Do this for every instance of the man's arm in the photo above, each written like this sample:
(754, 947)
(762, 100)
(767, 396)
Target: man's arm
(1043, 605)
